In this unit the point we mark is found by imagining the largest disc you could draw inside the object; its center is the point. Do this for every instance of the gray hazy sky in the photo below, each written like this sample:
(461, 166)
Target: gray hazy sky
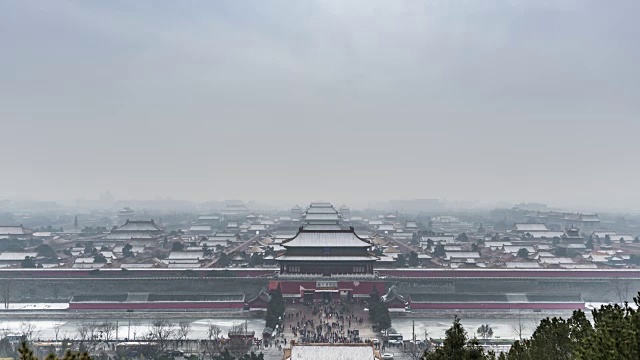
(341, 100)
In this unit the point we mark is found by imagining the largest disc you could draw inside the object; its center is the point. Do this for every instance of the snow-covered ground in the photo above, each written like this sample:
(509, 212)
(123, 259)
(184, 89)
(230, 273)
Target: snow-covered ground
(37, 306)
(46, 329)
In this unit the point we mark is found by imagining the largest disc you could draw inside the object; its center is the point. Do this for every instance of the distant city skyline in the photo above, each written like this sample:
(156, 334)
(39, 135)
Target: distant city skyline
(359, 101)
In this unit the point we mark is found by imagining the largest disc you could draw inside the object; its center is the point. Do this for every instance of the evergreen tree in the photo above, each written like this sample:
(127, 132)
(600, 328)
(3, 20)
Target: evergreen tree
(413, 259)
(457, 346)
(29, 262)
(589, 244)
(415, 240)
(485, 331)
(46, 251)
(378, 311)
(401, 261)
(523, 253)
(275, 308)
(25, 353)
(126, 250)
(439, 251)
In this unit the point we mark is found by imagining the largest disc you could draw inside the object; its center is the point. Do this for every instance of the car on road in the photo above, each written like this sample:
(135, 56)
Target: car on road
(395, 342)
(387, 356)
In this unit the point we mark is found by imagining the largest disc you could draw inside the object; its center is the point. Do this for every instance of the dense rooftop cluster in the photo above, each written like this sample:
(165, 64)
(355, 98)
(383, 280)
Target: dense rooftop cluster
(237, 236)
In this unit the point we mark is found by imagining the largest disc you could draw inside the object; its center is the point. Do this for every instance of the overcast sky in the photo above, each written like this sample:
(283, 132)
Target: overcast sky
(347, 101)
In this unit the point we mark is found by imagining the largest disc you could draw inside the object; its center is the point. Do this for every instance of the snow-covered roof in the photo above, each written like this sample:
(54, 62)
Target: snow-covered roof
(16, 256)
(331, 238)
(12, 230)
(139, 225)
(530, 227)
(462, 255)
(200, 228)
(325, 258)
(332, 351)
(522, 265)
(191, 255)
(556, 260)
(513, 249)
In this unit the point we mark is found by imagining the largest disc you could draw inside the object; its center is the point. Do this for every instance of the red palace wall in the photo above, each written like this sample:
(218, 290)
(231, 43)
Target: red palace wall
(418, 273)
(466, 273)
(293, 287)
(497, 306)
(156, 306)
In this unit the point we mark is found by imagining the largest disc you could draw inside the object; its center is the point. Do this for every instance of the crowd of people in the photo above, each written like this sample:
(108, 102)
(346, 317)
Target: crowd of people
(329, 322)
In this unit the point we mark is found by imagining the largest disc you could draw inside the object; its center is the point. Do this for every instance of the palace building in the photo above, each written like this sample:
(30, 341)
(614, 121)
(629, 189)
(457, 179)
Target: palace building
(327, 264)
(321, 216)
(139, 232)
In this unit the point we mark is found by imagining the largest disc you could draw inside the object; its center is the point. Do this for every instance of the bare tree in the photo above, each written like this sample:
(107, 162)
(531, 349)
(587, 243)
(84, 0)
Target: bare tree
(239, 344)
(28, 331)
(182, 333)
(520, 326)
(83, 331)
(184, 327)
(7, 291)
(213, 346)
(56, 330)
(108, 329)
(7, 349)
(622, 289)
(93, 329)
(213, 332)
(161, 333)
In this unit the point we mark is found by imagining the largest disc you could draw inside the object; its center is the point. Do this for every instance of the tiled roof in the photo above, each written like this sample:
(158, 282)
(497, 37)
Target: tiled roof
(546, 234)
(332, 351)
(556, 260)
(316, 227)
(321, 210)
(553, 298)
(326, 258)
(99, 298)
(139, 225)
(589, 218)
(12, 230)
(147, 297)
(128, 235)
(312, 217)
(208, 217)
(522, 265)
(513, 249)
(320, 204)
(193, 255)
(200, 228)
(530, 227)
(462, 255)
(16, 256)
(457, 297)
(328, 238)
(195, 297)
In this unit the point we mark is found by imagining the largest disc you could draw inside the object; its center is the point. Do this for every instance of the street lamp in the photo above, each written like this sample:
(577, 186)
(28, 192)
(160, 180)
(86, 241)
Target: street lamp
(129, 328)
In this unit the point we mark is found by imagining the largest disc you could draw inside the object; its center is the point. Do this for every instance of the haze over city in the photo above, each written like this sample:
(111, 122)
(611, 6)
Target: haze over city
(353, 101)
(319, 179)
